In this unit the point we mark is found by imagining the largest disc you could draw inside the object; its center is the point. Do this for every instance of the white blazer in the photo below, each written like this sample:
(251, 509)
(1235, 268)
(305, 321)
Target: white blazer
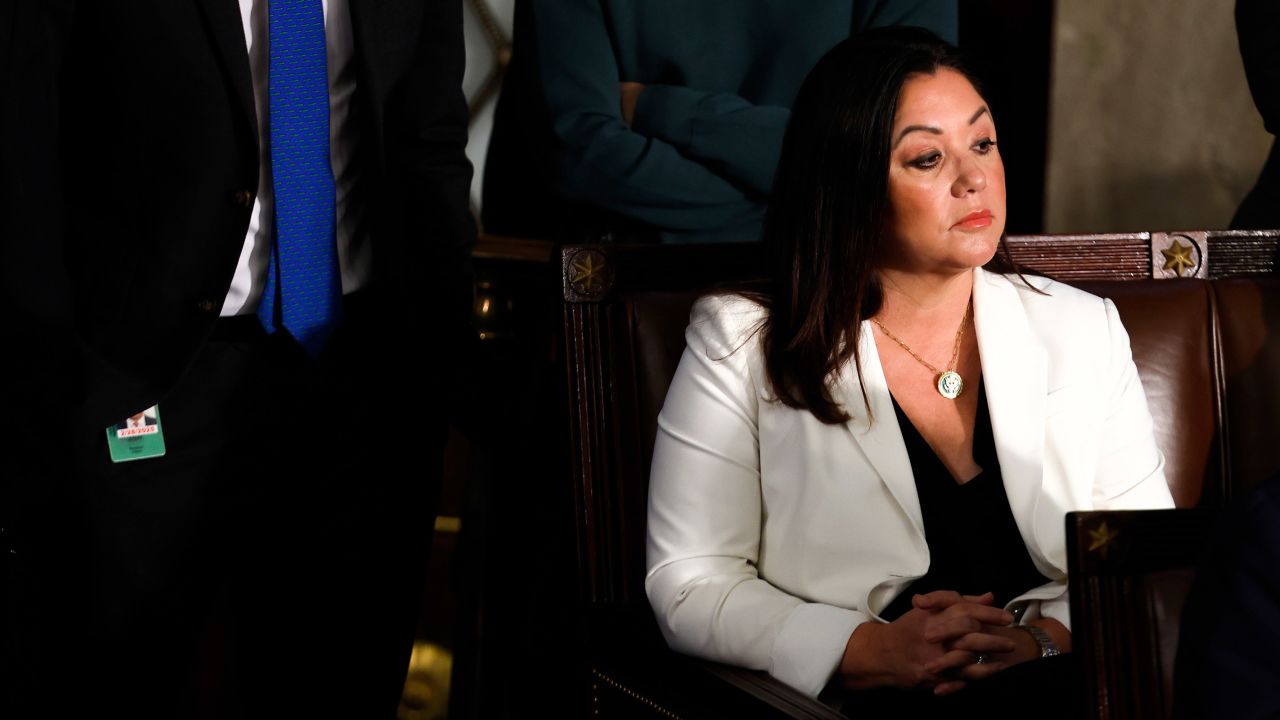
(773, 535)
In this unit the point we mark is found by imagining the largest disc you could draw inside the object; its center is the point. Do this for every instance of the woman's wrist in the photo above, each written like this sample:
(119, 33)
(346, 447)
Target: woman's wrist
(1028, 646)
(1058, 632)
(863, 665)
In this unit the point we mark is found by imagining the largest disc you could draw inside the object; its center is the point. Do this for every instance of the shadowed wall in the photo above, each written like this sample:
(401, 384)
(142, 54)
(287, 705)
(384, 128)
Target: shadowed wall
(1151, 124)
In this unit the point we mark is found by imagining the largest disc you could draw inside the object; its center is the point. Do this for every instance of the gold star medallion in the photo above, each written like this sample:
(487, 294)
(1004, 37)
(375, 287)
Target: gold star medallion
(1177, 257)
(1101, 537)
(589, 271)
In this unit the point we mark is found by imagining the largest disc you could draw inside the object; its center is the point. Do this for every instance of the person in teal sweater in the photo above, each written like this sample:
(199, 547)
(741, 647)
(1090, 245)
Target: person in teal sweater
(666, 116)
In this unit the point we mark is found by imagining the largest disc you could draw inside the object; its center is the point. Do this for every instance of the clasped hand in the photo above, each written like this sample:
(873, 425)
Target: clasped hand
(935, 645)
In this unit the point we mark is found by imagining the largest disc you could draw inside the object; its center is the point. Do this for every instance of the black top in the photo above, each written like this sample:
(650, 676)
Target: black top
(974, 543)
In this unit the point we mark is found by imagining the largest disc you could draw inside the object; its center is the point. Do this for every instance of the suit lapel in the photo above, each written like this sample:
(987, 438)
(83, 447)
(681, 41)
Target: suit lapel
(879, 436)
(366, 19)
(1014, 369)
(227, 31)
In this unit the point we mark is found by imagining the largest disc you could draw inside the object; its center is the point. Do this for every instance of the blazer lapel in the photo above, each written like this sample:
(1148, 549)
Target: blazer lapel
(1014, 369)
(878, 435)
(227, 31)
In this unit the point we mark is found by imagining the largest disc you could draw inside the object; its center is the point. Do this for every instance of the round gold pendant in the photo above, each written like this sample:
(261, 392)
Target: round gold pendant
(950, 385)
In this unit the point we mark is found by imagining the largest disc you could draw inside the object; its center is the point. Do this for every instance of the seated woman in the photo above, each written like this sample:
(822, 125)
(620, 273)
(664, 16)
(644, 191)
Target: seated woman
(863, 464)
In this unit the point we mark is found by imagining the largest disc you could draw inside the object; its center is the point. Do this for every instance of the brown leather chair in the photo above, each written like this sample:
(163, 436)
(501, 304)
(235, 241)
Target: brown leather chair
(1210, 367)
(625, 310)
(1171, 331)
(1207, 346)
(1249, 324)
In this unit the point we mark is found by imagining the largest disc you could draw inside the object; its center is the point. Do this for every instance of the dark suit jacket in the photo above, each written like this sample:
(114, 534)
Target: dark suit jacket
(1258, 30)
(131, 167)
(1227, 665)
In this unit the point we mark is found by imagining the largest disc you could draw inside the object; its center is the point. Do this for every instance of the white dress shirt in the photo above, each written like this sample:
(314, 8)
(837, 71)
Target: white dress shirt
(353, 248)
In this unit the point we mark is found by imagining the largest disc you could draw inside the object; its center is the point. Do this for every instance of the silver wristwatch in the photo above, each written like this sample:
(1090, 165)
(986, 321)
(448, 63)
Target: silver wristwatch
(1047, 646)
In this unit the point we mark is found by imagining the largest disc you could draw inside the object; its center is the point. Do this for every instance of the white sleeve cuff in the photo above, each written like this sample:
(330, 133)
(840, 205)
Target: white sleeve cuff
(1058, 608)
(811, 644)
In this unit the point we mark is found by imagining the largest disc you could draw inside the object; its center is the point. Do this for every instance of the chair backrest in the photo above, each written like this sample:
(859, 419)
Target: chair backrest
(626, 309)
(1130, 572)
(1248, 309)
(1172, 332)
(1202, 254)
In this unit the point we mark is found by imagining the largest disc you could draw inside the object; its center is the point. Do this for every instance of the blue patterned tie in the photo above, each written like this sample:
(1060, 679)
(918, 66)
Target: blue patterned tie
(303, 292)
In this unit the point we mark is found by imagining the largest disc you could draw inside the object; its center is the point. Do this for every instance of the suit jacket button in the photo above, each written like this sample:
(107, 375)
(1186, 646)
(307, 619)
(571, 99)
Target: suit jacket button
(205, 305)
(243, 198)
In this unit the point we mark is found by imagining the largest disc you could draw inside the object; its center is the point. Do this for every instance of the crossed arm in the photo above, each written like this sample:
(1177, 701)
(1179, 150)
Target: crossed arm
(681, 158)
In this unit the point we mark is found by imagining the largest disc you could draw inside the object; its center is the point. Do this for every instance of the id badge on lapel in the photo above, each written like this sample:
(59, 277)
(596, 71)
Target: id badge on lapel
(138, 437)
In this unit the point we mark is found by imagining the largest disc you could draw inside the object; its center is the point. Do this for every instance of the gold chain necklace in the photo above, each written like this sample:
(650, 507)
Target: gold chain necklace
(949, 382)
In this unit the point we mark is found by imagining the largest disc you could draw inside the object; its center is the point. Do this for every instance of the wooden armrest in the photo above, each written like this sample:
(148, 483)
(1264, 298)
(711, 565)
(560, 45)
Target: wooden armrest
(634, 672)
(677, 686)
(775, 694)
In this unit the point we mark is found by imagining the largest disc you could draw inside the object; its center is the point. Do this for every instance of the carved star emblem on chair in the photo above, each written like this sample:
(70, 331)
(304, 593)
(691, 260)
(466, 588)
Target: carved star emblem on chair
(589, 270)
(1177, 257)
(1100, 538)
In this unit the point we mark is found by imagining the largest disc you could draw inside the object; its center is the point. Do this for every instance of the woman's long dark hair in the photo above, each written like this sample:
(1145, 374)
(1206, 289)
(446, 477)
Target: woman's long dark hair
(823, 226)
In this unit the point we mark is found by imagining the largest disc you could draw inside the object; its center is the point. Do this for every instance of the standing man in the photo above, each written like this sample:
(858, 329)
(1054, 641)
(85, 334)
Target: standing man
(249, 219)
